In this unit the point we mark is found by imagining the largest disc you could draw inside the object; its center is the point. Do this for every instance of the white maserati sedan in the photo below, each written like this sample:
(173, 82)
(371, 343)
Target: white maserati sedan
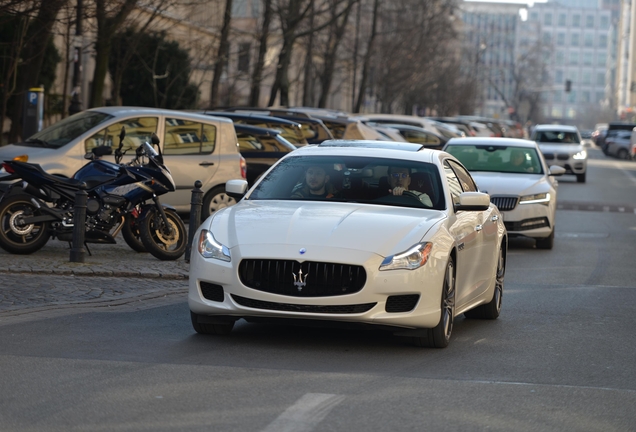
(515, 175)
(373, 233)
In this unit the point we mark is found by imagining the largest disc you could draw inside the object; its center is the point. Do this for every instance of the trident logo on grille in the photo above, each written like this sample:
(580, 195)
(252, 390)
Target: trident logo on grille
(301, 280)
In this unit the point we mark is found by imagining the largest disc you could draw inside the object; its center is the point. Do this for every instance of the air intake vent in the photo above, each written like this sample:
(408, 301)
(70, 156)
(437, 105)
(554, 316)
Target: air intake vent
(504, 203)
(309, 279)
(211, 291)
(563, 156)
(402, 303)
(288, 307)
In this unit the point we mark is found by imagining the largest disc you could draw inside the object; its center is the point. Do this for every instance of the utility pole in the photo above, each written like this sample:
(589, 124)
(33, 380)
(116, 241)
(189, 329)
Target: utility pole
(76, 101)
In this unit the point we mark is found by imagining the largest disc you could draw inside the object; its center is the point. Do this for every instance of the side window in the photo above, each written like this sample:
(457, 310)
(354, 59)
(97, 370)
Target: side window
(187, 137)
(466, 181)
(453, 183)
(249, 143)
(138, 131)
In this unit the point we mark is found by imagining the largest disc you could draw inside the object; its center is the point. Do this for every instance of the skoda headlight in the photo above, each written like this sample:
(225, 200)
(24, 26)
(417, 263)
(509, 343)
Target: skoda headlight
(580, 155)
(411, 259)
(542, 198)
(210, 248)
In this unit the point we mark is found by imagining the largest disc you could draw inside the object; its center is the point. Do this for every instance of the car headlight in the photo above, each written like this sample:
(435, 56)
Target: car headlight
(580, 155)
(210, 248)
(542, 198)
(411, 259)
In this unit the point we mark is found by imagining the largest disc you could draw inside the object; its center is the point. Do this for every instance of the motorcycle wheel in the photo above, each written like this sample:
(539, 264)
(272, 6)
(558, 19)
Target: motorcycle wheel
(131, 235)
(15, 237)
(160, 242)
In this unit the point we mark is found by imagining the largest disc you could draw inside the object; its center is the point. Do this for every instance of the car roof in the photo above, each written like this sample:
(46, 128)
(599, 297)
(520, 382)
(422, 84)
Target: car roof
(255, 130)
(393, 145)
(495, 142)
(387, 149)
(555, 127)
(125, 111)
(259, 117)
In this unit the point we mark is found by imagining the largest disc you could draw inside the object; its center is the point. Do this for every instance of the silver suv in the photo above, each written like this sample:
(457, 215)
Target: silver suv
(562, 145)
(195, 147)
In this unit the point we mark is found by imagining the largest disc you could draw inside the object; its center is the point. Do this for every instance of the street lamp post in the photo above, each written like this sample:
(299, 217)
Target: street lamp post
(76, 101)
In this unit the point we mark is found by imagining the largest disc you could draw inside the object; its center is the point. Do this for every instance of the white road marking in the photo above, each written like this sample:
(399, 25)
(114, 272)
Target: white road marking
(305, 414)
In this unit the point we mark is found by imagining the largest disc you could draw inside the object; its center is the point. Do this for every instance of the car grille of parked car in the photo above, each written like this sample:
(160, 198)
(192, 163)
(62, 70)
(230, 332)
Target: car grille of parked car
(548, 156)
(289, 307)
(504, 203)
(527, 224)
(401, 303)
(307, 279)
(563, 156)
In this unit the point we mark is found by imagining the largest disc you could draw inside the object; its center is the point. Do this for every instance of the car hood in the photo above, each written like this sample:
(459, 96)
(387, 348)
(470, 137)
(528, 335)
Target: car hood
(379, 229)
(35, 153)
(560, 148)
(495, 183)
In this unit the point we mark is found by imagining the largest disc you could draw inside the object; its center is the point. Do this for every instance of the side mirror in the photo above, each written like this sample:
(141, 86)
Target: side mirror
(102, 151)
(236, 189)
(473, 201)
(556, 170)
(154, 139)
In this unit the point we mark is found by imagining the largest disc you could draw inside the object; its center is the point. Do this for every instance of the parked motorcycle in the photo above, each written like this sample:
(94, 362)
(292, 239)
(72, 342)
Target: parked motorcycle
(119, 199)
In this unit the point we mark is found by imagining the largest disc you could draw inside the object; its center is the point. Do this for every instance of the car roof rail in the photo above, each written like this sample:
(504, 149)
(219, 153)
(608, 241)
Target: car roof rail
(389, 145)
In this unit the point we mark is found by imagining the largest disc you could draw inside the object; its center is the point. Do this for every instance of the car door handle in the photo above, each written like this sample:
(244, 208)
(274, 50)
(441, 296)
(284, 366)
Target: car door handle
(494, 218)
(206, 163)
(478, 228)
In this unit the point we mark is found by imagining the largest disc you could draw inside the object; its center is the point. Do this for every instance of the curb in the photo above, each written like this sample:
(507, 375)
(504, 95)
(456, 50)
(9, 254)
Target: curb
(88, 272)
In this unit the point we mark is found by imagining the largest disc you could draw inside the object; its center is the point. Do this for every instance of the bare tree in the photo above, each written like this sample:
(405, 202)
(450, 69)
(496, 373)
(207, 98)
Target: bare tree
(222, 55)
(257, 73)
(366, 64)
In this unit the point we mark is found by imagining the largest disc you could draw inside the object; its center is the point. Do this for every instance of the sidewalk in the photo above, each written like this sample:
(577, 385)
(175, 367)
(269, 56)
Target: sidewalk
(107, 260)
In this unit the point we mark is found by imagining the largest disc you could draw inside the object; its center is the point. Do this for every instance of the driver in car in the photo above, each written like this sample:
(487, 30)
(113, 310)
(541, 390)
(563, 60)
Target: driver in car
(399, 179)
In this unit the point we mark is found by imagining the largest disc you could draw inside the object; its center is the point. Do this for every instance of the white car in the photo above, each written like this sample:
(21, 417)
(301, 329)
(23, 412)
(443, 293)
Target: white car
(515, 175)
(562, 145)
(356, 252)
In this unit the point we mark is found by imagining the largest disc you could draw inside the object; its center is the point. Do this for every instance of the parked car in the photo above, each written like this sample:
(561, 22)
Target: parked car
(261, 148)
(561, 145)
(418, 135)
(515, 175)
(388, 133)
(291, 131)
(619, 144)
(391, 119)
(612, 131)
(363, 255)
(195, 147)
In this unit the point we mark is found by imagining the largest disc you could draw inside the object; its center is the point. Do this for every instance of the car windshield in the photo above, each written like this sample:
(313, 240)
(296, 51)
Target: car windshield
(353, 179)
(557, 137)
(497, 158)
(65, 131)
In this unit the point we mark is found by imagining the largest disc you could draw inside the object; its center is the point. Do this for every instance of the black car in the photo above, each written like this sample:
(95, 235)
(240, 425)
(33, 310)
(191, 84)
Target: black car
(261, 148)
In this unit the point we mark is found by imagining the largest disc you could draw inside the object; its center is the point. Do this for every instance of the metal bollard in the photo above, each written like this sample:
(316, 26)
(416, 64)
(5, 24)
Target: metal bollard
(78, 252)
(196, 203)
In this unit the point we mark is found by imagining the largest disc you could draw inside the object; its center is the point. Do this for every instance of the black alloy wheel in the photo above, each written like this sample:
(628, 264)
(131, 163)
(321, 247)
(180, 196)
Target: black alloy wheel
(15, 236)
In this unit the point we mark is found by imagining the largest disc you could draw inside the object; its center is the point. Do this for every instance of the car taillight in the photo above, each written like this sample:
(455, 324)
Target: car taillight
(8, 168)
(243, 168)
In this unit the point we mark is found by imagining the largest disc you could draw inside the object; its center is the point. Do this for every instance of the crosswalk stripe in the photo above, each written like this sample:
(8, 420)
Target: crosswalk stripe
(305, 414)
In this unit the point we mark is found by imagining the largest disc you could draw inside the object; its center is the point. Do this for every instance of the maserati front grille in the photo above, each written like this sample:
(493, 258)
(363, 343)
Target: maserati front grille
(504, 203)
(307, 279)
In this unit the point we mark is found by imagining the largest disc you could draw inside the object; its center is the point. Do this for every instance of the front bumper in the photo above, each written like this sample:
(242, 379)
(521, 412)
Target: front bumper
(530, 220)
(572, 166)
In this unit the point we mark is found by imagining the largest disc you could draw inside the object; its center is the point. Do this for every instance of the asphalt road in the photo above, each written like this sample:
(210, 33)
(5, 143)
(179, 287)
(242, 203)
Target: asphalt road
(119, 354)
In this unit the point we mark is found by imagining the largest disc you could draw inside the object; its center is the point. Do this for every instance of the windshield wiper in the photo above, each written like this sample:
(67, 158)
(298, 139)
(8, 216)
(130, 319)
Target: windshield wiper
(39, 141)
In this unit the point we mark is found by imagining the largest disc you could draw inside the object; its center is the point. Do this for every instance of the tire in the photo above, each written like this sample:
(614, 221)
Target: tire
(130, 233)
(491, 310)
(547, 242)
(580, 178)
(439, 336)
(210, 329)
(18, 239)
(157, 240)
(215, 200)
(623, 154)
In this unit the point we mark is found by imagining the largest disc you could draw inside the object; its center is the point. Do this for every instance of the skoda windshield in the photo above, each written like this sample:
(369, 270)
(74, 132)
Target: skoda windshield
(65, 131)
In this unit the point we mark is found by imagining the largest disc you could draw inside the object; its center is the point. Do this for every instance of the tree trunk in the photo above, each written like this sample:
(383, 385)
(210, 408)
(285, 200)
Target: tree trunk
(281, 82)
(222, 56)
(32, 56)
(257, 74)
(106, 28)
(308, 88)
(367, 58)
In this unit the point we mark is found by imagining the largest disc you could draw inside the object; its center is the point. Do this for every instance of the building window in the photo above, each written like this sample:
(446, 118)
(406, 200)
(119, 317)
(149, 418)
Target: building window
(574, 58)
(589, 21)
(572, 97)
(574, 39)
(558, 76)
(557, 112)
(571, 113)
(605, 22)
(587, 58)
(560, 39)
(600, 96)
(547, 38)
(547, 19)
(534, 16)
(559, 58)
(587, 79)
(589, 40)
(601, 58)
(585, 97)
(576, 20)
(562, 18)
(602, 41)
(244, 57)
(600, 78)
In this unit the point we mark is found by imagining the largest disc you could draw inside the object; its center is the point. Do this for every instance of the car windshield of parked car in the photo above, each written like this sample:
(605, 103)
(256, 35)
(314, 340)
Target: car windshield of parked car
(557, 137)
(353, 179)
(65, 131)
(497, 158)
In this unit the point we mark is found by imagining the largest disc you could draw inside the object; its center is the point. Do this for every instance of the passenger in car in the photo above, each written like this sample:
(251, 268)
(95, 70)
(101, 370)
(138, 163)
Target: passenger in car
(316, 185)
(399, 179)
(519, 162)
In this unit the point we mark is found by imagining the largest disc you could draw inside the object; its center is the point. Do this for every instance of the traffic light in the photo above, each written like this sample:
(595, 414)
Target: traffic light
(568, 86)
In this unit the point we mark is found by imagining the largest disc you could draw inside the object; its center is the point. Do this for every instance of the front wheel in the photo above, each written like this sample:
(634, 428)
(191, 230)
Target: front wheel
(130, 232)
(580, 178)
(492, 309)
(16, 236)
(547, 242)
(163, 242)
